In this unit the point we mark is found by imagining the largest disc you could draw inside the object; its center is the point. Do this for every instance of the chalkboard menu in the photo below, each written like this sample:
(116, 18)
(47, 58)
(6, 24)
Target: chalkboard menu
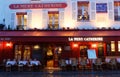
(91, 54)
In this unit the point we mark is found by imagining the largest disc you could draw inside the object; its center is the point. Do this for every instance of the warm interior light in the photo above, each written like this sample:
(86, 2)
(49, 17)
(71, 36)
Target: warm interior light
(94, 45)
(59, 50)
(9, 44)
(36, 47)
(75, 45)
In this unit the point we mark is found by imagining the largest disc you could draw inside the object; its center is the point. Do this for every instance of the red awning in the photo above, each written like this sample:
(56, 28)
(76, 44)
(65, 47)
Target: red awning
(21, 13)
(59, 33)
(83, 2)
(53, 12)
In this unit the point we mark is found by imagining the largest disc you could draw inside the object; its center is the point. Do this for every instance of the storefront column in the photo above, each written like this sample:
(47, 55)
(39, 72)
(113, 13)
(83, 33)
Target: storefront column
(105, 48)
(116, 48)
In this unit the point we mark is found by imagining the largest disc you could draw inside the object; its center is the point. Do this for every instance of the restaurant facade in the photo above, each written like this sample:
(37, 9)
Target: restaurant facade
(50, 30)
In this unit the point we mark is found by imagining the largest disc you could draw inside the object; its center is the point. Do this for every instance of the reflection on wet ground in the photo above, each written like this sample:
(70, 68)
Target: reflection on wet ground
(62, 74)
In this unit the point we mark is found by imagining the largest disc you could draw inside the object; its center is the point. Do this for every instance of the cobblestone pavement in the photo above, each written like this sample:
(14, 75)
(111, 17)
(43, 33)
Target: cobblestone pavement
(52, 73)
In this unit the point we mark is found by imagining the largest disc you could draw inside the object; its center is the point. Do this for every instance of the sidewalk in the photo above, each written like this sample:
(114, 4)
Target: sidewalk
(51, 73)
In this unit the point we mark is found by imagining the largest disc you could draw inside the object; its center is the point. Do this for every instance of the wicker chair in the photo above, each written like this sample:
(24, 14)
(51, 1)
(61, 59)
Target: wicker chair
(63, 64)
(98, 64)
(83, 63)
(74, 64)
(8, 66)
(113, 63)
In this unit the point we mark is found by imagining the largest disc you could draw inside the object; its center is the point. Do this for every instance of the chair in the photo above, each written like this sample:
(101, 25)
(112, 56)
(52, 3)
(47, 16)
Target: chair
(3, 64)
(98, 64)
(30, 67)
(83, 63)
(20, 67)
(74, 64)
(8, 66)
(63, 64)
(113, 63)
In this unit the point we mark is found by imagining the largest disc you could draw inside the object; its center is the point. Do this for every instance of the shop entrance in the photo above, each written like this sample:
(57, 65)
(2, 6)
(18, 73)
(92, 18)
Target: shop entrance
(53, 55)
(83, 50)
(98, 46)
(50, 57)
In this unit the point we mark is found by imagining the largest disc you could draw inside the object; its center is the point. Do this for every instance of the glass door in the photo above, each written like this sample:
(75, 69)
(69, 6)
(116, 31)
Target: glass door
(100, 50)
(83, 50)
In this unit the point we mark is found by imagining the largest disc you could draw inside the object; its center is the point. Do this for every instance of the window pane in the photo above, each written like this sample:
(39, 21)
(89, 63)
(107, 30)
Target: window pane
(118, 46)
(83, 12)
(117, 11)
(112, 46)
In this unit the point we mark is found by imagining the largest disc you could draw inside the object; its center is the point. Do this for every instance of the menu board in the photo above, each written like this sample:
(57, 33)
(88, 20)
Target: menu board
(91, 54)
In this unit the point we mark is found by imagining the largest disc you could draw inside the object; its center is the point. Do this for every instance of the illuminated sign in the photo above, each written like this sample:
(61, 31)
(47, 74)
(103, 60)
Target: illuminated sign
(38, 5)
(101, 7)
(85, 39)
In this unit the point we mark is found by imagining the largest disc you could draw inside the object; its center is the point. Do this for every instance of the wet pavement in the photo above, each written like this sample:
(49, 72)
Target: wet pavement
(51, 73)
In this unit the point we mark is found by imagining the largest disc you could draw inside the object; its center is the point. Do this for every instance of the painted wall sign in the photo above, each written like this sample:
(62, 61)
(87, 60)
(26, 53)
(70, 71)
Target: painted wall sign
(38, 6)
(35, 0)
(101, 7)
(85, 39)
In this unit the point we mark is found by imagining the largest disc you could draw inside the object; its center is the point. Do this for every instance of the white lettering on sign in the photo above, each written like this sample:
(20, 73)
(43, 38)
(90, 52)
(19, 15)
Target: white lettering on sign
(78, 39)
(85, 39)
(37, 5)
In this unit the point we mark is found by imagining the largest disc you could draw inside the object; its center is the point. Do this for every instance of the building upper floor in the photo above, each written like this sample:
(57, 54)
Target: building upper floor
(59, 14)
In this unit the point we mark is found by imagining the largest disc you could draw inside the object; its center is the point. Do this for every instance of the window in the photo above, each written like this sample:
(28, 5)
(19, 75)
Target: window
(83, 11)
(22, 52)
(118, 46)
(112, 46)
(53, 19)
(21, 20)
(117, 11)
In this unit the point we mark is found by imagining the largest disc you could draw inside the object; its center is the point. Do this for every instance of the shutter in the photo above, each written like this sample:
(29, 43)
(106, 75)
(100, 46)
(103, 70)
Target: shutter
(29, 19)
(118, 10)
(45, 18)
(111, 10)
(92, 10)
(61, 17)
(74, 10)
(13, 26)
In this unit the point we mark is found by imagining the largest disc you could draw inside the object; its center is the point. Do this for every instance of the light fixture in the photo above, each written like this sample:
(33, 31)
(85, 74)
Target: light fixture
(75, 45)
(8, 44)
(94, 45)
(36, 46)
